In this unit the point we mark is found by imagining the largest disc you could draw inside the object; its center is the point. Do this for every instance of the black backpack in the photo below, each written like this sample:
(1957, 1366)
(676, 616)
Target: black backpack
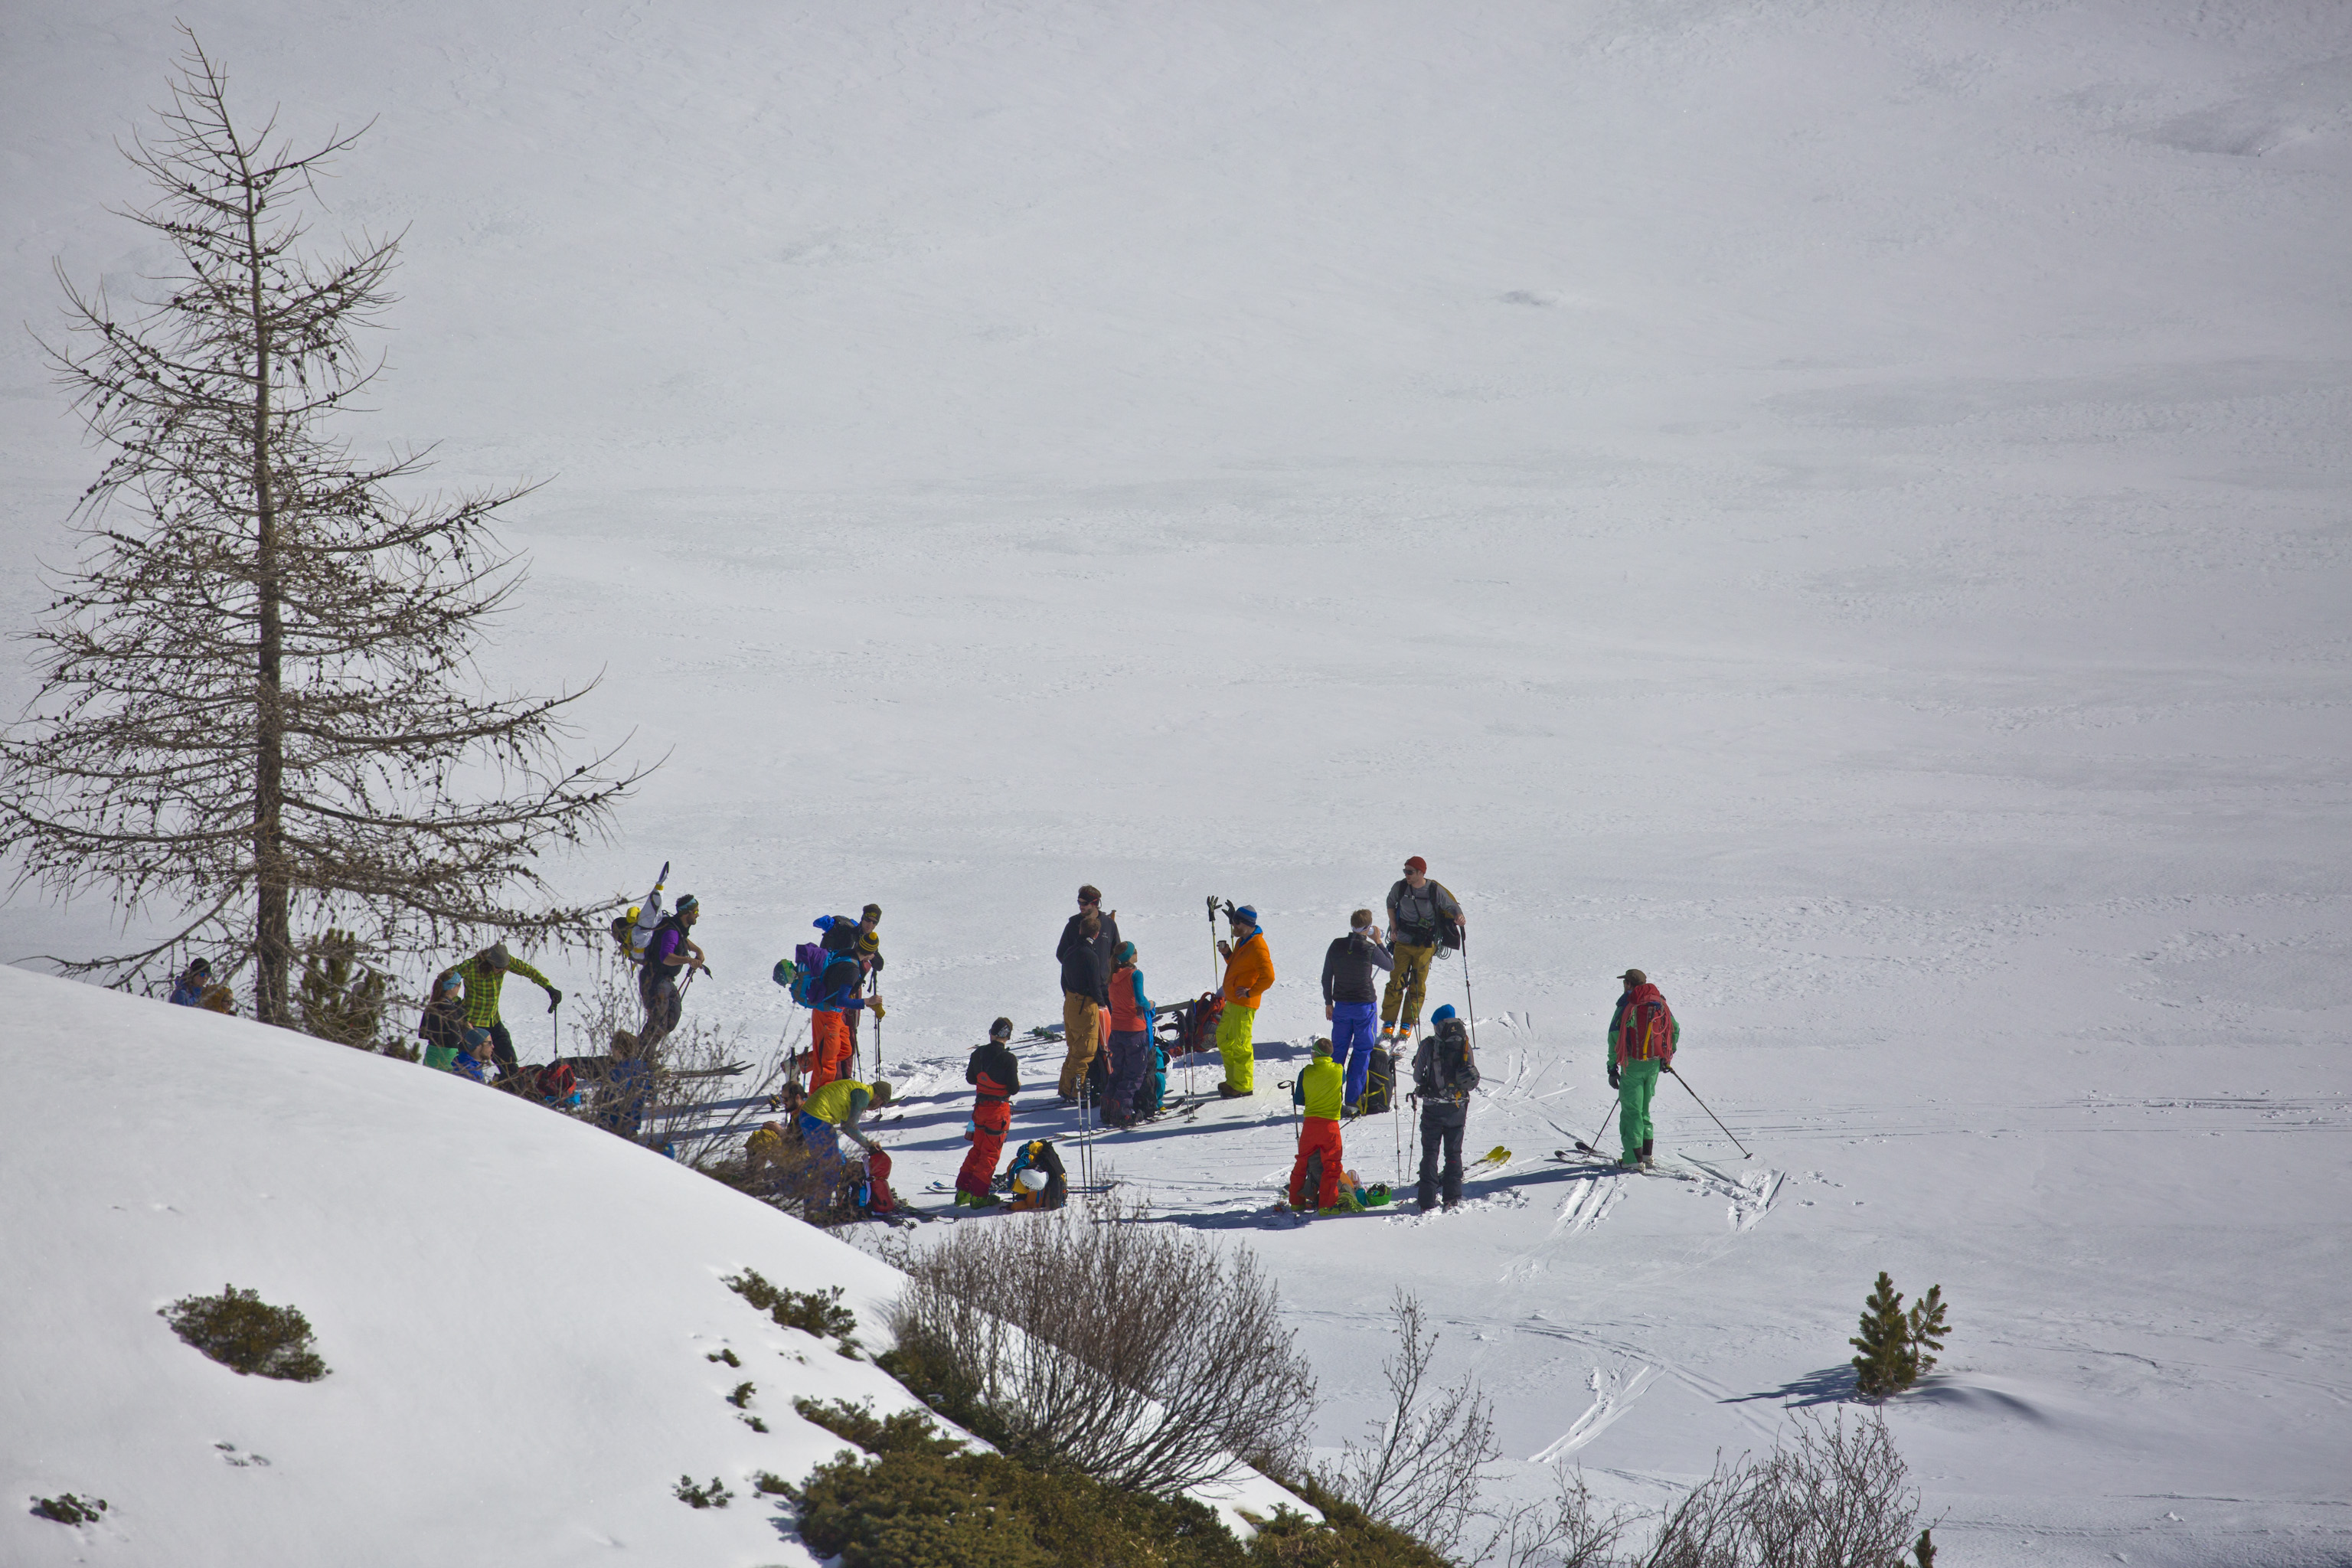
(1445, 1070)
(1380, 1084)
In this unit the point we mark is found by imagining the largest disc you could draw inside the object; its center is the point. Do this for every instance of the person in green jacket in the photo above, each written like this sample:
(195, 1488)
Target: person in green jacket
(485, 976)
(1322, 1091)
(1642, 1036)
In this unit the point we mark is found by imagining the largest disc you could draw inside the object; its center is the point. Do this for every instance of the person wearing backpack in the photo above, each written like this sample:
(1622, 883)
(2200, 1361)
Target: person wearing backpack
(995, 1074)
(1643, 1035)
(1249, 972)
(485, 976)
(1349, 1003)
(1422, 917)
(1132, 1017)
(1444, 1074)
(1088, 939)
(671, 954)
(1317, 1169)
(861, 939)
(833, 1041)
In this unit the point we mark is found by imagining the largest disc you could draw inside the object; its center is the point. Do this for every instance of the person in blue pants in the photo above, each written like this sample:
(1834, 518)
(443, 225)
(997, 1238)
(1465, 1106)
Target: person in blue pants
(1351, 1003)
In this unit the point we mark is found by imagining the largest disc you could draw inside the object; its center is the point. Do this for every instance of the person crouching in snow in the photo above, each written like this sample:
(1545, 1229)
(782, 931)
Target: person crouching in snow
(1130, 1039)
(1249, 971)
(827, 1114)
(994, 1075)
(1643, 1035)
(1317, 1169)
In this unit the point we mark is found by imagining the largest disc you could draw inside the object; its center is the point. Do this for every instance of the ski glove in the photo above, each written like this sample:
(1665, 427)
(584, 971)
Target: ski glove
(873, 1005)
(1613, 1075)
(554, 998)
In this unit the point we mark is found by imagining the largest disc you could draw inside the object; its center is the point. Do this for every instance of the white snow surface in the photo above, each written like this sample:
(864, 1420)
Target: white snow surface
(1842, 506)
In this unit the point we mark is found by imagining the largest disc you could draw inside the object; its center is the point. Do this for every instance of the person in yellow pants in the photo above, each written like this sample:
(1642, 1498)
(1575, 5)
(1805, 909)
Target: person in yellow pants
(1249, 972)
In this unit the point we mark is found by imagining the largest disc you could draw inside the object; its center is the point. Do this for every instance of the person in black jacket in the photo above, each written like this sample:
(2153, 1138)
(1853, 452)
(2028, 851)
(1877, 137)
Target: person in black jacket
(1350, 1004)
(1088, 942)
(995, 1074)
(1444, 1074)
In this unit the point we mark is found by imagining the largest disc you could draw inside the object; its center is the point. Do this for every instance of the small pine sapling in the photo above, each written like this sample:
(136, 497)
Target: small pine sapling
(1924, 1329)
(715, 1495)
(1923, 1550)
(742, 1398)
(1884, 1343)
(341, 998)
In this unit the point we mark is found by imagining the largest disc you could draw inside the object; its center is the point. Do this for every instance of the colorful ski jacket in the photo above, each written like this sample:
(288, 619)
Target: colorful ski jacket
(1643, 1029)
(1130, 1009)
(1323, 1087)
(831, 1104)
(1249, 973)
(995, 1071)
(483, 984)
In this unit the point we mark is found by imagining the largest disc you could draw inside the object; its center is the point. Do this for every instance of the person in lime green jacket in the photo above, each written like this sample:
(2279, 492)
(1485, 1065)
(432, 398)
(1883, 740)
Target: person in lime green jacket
(1322, 1091)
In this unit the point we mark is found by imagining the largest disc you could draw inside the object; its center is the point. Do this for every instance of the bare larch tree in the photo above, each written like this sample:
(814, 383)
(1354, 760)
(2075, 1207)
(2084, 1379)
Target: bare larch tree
(258, 697)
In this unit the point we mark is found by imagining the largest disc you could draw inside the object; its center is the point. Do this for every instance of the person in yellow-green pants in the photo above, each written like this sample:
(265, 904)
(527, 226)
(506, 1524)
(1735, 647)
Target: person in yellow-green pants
(1249, 971)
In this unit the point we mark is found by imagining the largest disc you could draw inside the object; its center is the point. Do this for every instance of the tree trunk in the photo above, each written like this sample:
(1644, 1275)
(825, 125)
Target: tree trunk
(273, 943)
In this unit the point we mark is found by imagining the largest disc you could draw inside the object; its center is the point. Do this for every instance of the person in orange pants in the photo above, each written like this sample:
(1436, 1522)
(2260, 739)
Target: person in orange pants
(1322, 1091)
(995, 1078)
(832, 1040)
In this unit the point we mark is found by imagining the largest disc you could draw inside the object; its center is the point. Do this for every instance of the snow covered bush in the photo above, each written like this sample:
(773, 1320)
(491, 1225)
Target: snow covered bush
(245, 1333)
(1139, 1353)
(68, 1508)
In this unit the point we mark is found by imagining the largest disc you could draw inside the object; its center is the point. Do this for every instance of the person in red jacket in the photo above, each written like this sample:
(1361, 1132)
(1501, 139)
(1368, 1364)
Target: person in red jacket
(1643, 1035)
(995, 1078)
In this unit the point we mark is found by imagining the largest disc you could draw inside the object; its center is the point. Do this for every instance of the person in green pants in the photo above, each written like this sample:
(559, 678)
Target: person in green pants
(1643, 1035)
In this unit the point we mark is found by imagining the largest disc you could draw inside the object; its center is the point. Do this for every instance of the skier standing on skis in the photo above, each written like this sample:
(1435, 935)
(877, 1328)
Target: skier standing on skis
(1314, 1175)
(671, 953)
(1088, 939)
(485, 976)
(1643, 1035)
(862, 939)
(1349, 1005)
(1423, 916)
(1249, 972)
(1444, 1074)
(995, 1074)
(1132, 1017)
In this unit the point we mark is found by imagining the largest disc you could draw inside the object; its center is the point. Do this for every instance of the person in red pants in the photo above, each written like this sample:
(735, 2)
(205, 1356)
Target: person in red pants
(995, 1078)
(1321, 1091)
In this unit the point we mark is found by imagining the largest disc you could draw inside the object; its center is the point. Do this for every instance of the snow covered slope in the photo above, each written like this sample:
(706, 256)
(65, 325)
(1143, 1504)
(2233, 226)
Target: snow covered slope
(516, 1308)
(1842, 506)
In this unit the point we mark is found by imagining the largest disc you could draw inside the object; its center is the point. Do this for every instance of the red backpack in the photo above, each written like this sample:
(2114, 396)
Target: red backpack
(1647, 1032)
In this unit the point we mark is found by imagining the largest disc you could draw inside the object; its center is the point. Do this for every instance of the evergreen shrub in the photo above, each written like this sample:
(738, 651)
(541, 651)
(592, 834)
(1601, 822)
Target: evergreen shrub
(1897, 1348)
(68, 1508)
(245, 1333)
(812, 1311)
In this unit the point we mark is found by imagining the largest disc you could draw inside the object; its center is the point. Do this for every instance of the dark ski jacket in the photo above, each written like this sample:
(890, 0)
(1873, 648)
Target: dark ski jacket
(1085, 965)
(995, 1071)
(1348, 968)
(444, 1024)
(1420, 920)
(837, 988)
(1443, 1070)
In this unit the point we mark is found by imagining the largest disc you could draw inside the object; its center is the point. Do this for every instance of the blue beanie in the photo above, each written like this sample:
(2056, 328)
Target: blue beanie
(1443, 1013)
(1247, 913)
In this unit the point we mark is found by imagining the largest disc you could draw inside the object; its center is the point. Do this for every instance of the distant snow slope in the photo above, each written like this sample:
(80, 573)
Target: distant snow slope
(1843, 507)
(518, 1312)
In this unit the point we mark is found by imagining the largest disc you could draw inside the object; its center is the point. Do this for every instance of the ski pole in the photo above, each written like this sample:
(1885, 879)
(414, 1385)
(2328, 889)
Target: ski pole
(1467, 1000)
(1711, 1116)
